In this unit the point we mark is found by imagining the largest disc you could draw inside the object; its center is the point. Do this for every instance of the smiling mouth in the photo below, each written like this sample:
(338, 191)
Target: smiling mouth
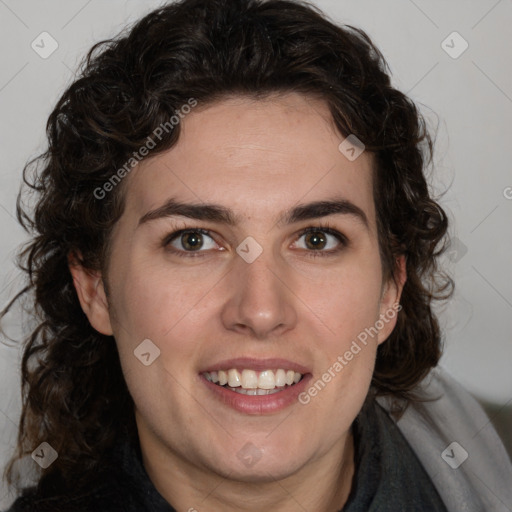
(251, 382)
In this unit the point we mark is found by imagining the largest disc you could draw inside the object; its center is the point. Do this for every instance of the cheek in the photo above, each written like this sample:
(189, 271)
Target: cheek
(150, 300)
(154, 305)
(347, 299)
(349, 310)
(170, 309)
(348, 305)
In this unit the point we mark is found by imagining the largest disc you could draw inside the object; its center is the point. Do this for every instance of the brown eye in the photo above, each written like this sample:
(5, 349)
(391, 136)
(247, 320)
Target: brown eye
(315, 240)
(322, 241)
(192, 241)
(189, 241)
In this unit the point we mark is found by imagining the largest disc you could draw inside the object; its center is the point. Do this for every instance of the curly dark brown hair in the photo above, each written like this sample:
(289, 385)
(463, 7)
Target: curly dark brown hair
(74, 393)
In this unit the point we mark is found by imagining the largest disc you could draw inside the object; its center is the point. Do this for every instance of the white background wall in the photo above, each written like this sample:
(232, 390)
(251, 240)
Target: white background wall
(470, 97)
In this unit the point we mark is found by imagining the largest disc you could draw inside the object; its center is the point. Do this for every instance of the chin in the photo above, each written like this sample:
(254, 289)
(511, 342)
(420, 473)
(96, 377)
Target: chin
(262, 472)
(253, 465)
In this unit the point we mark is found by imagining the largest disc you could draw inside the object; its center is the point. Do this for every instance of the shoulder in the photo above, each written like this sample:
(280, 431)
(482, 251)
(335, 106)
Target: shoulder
(448, 430)
(103, 495)
(117, 484)
(31, 501)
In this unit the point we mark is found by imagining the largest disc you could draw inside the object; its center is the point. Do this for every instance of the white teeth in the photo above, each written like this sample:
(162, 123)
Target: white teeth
(234, 379)
(223, 378)
(280, 378)
(267, 380)
(249, 379)
(254, 392)
(253, 383)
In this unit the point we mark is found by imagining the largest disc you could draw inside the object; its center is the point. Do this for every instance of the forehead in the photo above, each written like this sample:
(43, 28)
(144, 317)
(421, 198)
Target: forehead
(258, 157)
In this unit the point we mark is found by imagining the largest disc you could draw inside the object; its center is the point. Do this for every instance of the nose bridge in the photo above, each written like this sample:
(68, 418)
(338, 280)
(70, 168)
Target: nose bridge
(259, 299)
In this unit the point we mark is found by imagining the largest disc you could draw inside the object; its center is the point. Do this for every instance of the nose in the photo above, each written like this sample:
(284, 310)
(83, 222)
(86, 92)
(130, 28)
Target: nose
(260, 300)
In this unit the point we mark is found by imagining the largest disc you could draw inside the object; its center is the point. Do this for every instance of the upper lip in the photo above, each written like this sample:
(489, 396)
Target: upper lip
(256, 365)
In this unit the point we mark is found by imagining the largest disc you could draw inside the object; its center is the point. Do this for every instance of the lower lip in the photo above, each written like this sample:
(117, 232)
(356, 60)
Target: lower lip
(258, 404)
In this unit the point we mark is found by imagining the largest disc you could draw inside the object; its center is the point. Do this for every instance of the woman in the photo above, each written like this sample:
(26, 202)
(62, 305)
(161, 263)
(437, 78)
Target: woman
(235, 259)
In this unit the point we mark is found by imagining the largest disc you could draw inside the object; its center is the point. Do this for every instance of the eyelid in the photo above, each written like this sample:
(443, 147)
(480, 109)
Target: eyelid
(321, 227)
(325, 228)
(177, 233)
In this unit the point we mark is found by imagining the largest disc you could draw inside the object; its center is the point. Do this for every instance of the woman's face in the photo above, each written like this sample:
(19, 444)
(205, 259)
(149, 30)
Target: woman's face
(254, 299)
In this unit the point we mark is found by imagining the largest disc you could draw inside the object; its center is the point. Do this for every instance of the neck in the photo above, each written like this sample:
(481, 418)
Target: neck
(321, 485)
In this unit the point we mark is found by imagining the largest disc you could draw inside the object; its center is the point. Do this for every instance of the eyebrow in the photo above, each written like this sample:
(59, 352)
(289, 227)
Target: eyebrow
(221, 214)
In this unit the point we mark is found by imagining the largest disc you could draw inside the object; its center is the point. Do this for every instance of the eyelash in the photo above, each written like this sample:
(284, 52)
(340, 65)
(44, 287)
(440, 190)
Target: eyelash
(312, 229)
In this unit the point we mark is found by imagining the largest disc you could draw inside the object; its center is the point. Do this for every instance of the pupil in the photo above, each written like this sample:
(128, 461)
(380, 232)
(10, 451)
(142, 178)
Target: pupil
(192, 240)
(315, 238)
